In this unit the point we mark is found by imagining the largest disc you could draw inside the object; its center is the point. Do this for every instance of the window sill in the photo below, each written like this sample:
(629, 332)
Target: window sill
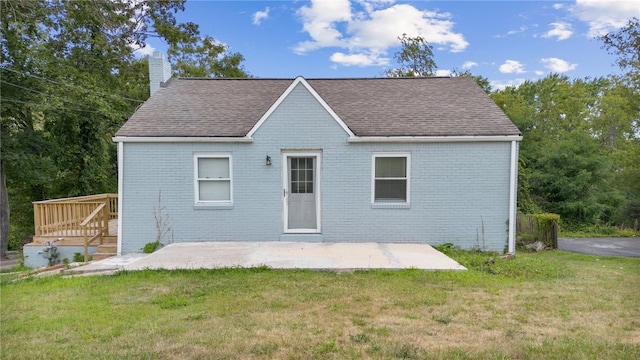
(390, 206)
(205, 206)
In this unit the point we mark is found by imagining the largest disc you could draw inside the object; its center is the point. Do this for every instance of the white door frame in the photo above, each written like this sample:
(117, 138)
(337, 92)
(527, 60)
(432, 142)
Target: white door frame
(286, 154)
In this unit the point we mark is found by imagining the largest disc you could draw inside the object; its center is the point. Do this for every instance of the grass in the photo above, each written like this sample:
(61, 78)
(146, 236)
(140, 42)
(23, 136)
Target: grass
(586, 231)
(549, 305)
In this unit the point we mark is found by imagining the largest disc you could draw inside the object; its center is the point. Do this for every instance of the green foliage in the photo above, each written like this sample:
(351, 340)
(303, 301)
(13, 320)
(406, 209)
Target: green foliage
(541, 227)
(545, 223)
(206, 58)
(493, 264)
(545, 220)
(69, 79)
(151, 247)
(625, 44)
(585, 231)
(415, 58)
(579, 139)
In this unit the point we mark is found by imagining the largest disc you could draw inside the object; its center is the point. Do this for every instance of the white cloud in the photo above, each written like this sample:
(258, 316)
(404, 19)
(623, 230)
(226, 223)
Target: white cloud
(604, 16)
(521, 29)
(381, 28)
(442, 73)
(147, 50)
(369, 29)
(358, 59)
(501, 85)
(320, 21)
(558, 65)
(561, 30)
(469, 65)
(539, 72)
(258, 16)
(511, 67)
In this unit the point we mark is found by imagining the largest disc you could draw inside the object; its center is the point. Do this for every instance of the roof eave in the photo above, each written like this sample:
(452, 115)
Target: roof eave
(183, 139)
(433, 139)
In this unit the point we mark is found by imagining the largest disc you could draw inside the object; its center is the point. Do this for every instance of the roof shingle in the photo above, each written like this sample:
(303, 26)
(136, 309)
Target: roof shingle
(369, 107)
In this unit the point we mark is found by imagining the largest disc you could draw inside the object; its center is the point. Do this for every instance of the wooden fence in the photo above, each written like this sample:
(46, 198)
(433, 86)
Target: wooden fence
(532, 228)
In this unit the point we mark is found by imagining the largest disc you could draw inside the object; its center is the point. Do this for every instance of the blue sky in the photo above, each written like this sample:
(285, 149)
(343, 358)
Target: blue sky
(507, 42)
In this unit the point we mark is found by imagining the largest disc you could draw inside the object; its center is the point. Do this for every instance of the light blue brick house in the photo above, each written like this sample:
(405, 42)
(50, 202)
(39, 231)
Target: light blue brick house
(422, 160)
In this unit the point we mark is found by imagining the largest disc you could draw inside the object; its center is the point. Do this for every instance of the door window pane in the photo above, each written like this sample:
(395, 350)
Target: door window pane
(301, 176)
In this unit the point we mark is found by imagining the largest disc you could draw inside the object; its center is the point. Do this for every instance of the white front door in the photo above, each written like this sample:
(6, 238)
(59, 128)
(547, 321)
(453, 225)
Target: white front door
(301, 193)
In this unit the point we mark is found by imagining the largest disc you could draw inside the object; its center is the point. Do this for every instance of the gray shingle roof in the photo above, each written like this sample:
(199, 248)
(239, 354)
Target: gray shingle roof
(369, 107)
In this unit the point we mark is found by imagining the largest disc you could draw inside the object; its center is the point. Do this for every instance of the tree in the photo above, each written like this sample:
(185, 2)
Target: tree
(625, 44)
(620, 120)
(4, 214)
(205, 58)
(415, 58)
(566, 169)
(69, 79)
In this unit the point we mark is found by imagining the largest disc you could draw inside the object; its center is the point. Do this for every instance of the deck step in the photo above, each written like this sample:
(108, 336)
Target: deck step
(73, 240)
(110, 240)
(107, 248)
(105, 251)
(101, 256)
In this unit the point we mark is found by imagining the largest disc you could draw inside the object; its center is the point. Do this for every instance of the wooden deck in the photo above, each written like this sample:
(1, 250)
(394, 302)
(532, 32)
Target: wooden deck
(78, 221)
(74, 239)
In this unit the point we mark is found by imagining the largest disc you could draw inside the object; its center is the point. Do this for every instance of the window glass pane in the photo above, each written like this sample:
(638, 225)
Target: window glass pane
(213, 168)
(215, 190)
(301, 178)
(391, 167)
(391, 190)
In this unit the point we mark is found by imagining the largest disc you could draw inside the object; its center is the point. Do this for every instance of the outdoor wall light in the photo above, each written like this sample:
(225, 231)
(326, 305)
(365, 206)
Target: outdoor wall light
(268, 160)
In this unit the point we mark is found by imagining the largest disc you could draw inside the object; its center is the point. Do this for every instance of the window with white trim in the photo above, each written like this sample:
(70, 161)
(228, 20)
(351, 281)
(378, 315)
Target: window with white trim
(213, 179)
(390, 178)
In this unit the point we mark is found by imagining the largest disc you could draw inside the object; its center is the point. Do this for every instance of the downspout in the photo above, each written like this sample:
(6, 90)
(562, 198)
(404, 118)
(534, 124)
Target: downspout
(513, 197)
(120, 186)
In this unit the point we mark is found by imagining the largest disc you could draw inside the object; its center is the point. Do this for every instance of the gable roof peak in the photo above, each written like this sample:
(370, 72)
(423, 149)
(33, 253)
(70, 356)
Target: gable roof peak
(311, 90)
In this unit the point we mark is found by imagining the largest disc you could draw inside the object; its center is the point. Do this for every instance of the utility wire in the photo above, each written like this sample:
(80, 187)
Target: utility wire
(72, 86)
(39, 92)
(47, 106)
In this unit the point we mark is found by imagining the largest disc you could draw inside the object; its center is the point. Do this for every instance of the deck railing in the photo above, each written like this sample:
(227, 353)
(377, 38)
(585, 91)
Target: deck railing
(64, 217)
(95, 226)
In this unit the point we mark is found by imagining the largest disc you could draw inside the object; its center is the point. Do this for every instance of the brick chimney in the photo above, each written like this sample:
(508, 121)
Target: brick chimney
(159, 71)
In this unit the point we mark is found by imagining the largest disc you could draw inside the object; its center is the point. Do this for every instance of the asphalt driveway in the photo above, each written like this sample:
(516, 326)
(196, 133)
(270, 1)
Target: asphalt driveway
(629, 247)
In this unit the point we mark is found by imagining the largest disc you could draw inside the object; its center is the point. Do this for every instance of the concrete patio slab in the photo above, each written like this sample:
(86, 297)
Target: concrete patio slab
(296, 255)
(278, 255)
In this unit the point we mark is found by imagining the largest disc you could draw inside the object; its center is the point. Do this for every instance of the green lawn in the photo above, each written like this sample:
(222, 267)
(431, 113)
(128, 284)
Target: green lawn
(550, 305)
